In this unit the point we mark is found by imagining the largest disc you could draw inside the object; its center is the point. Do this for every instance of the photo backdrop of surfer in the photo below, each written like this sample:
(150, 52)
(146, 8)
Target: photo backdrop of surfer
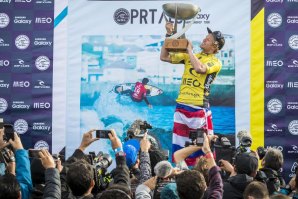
(138, 91)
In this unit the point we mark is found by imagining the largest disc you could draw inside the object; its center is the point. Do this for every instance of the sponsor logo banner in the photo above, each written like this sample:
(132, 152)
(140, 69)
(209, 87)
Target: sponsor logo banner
(41, 144)
(293, 127)
(20, 126)
(26, 54)
(123, 16)
(3, 105)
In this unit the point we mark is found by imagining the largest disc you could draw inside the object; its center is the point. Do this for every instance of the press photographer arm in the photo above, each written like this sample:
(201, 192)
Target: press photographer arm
(52, 177)
(121, 172)
(23, 172)
(215, 188)
(145, 164)
(143, 190)
(87, 140)
(183, 153)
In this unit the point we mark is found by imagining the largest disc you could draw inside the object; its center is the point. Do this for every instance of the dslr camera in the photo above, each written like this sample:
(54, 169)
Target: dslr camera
(196, 137)
(100, 163)
(261, 152)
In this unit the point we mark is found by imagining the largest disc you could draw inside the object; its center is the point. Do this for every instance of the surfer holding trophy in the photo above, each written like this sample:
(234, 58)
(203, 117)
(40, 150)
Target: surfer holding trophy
(200, 69)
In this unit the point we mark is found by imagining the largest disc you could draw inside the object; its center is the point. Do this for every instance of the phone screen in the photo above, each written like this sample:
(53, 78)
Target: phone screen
(33, 153)
(200, 137)
(8, 132)
(104, 134)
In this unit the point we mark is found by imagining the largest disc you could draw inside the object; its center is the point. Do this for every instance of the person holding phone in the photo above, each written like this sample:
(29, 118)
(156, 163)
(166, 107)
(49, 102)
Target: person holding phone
(52, 188)
(22, 174)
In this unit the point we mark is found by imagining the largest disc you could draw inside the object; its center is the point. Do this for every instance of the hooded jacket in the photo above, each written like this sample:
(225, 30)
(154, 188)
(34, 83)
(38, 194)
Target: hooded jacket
(235, 186)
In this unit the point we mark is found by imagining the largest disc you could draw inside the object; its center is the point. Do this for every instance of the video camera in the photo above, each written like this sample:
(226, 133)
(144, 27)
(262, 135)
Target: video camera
(100, 163)
(222, 142)
(196, 137)
(137, 131)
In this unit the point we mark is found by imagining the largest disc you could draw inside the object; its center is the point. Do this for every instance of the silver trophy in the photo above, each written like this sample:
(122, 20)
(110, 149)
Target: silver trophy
(179, 11)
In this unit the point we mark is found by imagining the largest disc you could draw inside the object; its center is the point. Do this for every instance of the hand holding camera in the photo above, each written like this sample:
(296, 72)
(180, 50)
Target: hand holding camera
(16, 142)
(87, 140)
(145, 144)
(46, 159)
(116, 143)
(226, 166)
(197, 137)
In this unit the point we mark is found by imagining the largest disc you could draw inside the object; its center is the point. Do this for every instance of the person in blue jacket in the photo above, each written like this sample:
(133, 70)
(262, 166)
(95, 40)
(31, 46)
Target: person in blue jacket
(22, 186)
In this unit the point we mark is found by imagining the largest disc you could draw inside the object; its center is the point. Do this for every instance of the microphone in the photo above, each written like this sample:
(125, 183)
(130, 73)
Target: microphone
(163, 169)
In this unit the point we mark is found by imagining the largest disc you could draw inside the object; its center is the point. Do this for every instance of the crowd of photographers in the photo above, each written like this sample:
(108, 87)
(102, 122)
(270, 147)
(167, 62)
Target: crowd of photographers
(142, 171)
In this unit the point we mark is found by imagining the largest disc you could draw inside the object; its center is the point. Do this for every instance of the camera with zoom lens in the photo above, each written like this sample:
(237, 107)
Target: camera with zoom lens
(261, 152)
(100, 163)
(196, 137)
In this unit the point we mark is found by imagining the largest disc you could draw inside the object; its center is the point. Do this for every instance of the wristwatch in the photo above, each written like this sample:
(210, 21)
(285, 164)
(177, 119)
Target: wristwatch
(120, 153)
(118, 149)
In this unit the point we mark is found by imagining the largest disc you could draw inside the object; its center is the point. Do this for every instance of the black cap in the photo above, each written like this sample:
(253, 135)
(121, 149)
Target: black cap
(218, 37)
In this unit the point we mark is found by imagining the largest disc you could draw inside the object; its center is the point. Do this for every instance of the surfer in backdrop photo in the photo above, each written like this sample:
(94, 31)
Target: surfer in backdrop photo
(137, 92)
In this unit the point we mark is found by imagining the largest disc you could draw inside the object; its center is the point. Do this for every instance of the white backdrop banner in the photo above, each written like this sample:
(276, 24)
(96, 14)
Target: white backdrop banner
(112, 44)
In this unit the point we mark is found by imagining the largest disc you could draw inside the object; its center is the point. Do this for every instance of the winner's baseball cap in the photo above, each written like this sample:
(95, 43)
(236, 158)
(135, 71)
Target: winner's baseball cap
(218, 37)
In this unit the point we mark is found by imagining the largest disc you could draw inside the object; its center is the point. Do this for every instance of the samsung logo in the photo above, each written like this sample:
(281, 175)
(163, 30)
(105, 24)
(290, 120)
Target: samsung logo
(5, 1)
(42, 41)
(21, 20)
(274, 84)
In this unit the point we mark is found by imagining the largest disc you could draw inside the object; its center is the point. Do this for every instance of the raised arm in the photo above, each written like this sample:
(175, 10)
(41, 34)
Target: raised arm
(195, 62)
(164, 53)
(183, 153)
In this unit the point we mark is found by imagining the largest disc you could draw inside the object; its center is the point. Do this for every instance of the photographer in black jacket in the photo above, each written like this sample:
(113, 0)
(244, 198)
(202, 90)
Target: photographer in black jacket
(242, 173)
(77, 176)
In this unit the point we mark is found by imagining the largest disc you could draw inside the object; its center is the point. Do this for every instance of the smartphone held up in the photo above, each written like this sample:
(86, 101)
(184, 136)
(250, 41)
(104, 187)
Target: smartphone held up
(103, 134)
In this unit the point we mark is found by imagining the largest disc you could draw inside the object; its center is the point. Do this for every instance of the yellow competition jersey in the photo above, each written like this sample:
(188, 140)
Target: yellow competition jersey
(195, 87)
